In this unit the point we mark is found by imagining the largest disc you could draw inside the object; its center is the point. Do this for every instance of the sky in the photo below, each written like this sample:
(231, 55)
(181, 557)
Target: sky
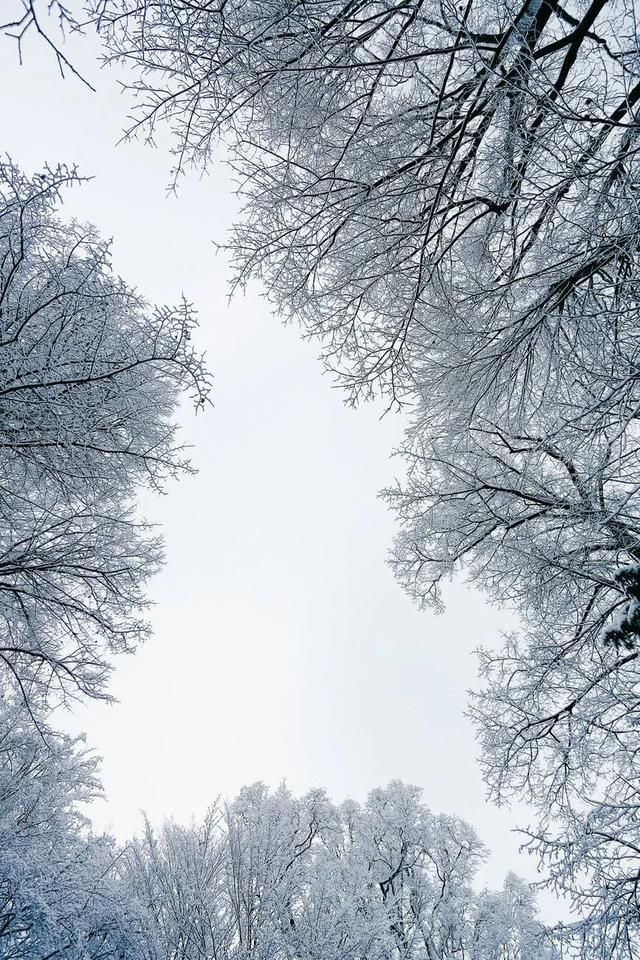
(283, 649)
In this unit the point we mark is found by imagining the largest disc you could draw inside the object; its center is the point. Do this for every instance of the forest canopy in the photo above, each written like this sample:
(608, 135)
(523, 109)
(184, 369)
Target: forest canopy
(445, 196)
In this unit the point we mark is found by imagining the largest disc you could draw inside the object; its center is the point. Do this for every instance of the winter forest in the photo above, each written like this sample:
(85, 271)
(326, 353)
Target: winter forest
(438, 200)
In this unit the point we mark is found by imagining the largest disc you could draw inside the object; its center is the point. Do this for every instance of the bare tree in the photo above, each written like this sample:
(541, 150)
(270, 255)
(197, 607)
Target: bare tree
(89, 379)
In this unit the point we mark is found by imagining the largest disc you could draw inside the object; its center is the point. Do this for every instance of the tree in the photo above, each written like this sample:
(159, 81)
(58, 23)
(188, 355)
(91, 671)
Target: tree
(544, 525)
(419, 177)
(90, 376)
(270, 875)
(176, 884)
(446, 195)
(505, 923)
(59, 892)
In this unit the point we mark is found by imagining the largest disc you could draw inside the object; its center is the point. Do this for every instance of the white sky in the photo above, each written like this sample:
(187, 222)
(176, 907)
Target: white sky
(283, 647)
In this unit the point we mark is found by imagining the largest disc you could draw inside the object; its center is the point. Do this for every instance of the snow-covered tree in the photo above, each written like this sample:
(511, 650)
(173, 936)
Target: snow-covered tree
(90, 376)
(505, 923)
(419, 175)
(59, 893)
(267, 876)
(274, 876)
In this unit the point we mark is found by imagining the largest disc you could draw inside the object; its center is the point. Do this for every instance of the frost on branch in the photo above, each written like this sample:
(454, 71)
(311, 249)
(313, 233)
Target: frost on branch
(48, 22)
(625, 628)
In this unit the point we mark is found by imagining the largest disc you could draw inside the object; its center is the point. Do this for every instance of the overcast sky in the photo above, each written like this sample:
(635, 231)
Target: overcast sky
(282, 648)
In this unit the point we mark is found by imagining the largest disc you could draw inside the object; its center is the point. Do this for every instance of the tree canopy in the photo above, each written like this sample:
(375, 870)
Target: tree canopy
(446, 196)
